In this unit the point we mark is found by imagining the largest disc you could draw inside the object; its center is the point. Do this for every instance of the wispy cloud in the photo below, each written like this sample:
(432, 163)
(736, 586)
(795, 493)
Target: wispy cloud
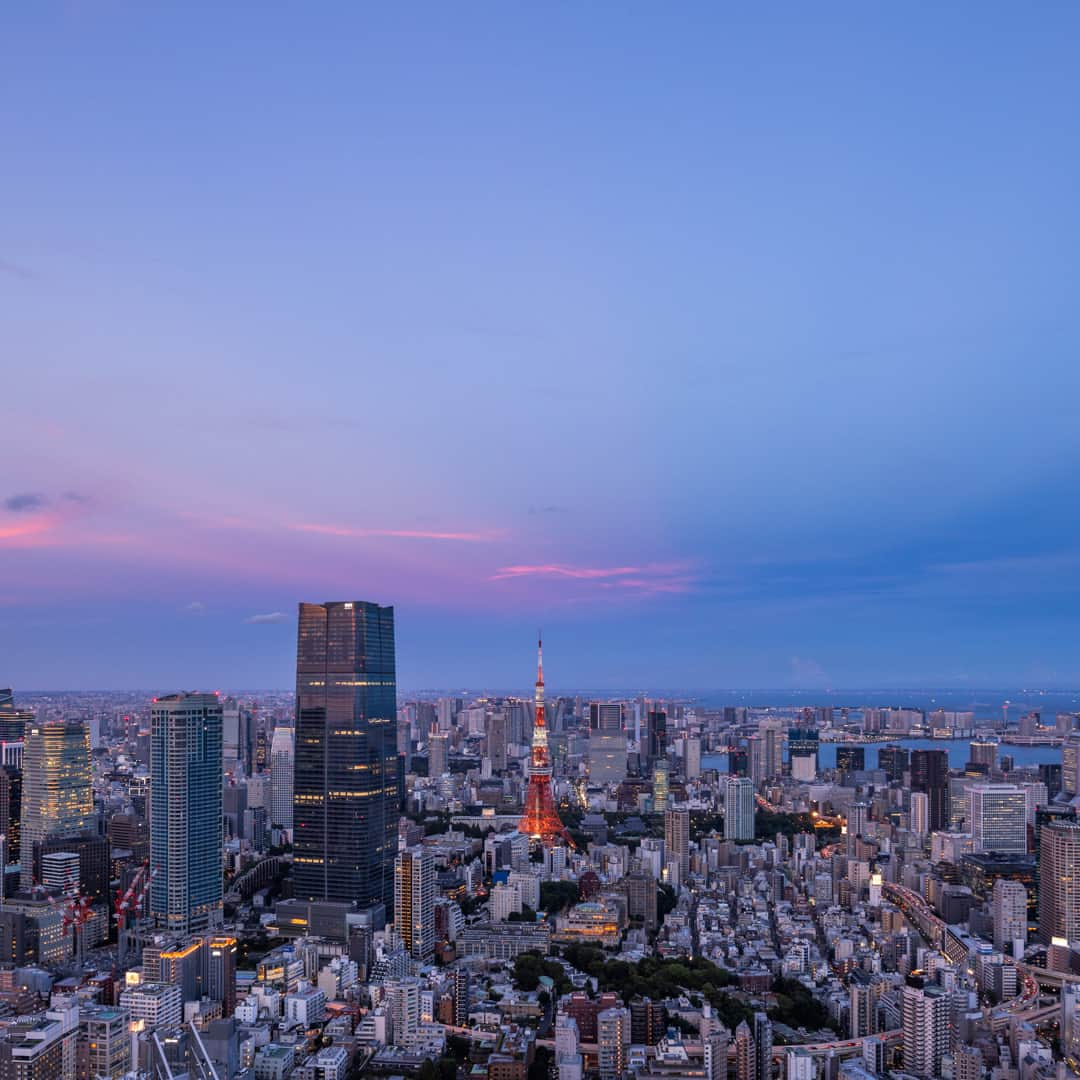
(268, 619)
(402, 534)
(24, 501)
(15, 269)
(26, 530)
(196, 607)
(650, 577)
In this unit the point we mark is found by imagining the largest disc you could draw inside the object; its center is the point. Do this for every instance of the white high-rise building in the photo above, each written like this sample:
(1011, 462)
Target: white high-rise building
(505, 901)
(925, 1018)
(414, 901)
(403, 1005)
(281, 778)
(920, 813)
(998, 817)
(1010, 915)
(738, 808)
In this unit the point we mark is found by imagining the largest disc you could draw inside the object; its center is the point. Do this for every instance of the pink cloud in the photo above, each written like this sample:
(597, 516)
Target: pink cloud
(650, 578)
(405, 534)
(28, 531)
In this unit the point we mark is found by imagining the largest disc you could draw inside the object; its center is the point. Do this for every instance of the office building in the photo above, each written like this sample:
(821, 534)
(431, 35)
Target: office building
(895, 761)
(414, 901)
(738, 808)
(930, 775)
(57, 788)
(998, 817)
(186, 770)
(677, 839)
(11, 786)
(850, 758)
(803, 744)
(438, 753)
(692, 758)
(919, 817)
(281, 778)
(984, 752)
(605, 716)
(607, 757)
(345, 782)
(13, 721)
(1059, 873)
(497, 732)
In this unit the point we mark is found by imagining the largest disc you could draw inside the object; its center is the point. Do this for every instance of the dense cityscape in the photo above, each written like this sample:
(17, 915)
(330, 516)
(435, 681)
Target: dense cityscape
(350, 882)
(536, 541)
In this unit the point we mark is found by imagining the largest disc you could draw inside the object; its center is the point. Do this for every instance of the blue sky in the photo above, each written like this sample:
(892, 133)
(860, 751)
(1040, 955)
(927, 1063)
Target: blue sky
(735, 347)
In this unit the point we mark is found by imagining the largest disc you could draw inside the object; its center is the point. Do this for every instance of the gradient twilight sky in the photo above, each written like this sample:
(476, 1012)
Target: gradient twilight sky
(736, 346)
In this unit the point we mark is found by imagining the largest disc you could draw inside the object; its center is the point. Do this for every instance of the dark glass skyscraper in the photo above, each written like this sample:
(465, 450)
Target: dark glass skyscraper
(346, 775)
(930, 774)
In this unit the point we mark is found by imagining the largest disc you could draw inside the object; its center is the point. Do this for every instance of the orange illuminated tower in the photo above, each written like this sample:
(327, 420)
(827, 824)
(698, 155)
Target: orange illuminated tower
(540, 820)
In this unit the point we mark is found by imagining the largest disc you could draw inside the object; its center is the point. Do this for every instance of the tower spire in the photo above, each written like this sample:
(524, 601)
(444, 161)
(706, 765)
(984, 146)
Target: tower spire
(541, 820)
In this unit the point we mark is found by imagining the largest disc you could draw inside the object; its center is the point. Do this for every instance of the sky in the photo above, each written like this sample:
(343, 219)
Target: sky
(734, 346)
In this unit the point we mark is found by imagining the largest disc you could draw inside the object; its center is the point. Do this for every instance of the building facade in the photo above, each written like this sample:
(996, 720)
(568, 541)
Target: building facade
(186, 770)
(346, 774)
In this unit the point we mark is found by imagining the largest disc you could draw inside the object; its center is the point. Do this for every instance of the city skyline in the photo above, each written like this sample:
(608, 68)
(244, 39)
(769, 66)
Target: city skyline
(724, 363)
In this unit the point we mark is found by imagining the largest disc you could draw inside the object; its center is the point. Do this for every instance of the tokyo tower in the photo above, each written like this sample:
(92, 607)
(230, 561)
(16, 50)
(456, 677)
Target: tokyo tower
(541, 820)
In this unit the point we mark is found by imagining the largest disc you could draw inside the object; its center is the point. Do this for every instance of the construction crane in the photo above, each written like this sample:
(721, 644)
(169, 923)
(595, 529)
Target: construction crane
(130, 902)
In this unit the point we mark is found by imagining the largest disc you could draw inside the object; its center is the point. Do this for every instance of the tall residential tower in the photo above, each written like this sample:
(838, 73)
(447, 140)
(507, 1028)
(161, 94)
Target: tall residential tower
(186, 769)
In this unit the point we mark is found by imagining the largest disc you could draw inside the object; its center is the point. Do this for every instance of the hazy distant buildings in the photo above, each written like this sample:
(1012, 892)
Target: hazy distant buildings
(186, 769)
(345, 807)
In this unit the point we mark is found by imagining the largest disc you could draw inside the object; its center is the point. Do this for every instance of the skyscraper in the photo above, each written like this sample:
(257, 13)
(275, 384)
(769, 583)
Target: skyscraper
(186, 770)
(920, 813)
(414, 901)
(894, 760)
(738, 808)
(57, 794)
(1010, 914)
(925, 1018)
(930, 775)
(281, 778)
(1059, 872)
(677, 839)
(13, 721)
(345, 780)
(850, 758)
(438, 753)
(605, 716)
(984, 752)
(998, 817)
